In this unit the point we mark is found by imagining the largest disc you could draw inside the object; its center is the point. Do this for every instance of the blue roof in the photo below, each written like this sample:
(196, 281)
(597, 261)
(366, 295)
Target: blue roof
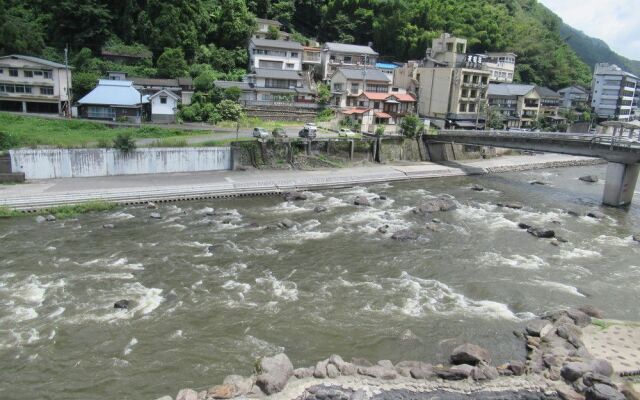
(115, 93)
(386, 65)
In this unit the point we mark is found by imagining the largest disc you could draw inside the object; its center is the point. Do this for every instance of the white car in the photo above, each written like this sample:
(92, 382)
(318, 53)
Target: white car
(260, 133)
(310, 126)
(345, 132)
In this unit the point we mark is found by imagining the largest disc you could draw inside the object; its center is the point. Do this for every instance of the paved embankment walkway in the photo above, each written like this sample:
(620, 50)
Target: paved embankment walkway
(133, 189)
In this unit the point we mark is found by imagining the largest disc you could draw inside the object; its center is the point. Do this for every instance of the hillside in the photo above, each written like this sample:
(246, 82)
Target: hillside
(592, 50)
(207, 38)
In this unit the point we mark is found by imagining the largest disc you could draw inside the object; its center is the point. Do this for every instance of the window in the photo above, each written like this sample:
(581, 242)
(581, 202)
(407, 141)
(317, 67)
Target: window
(347, 59)
(472, 107)
(355, 87)
(28, 74)
(27, 89)
(46, 90)
(290, 65)
(37, 73)
(1, 70)
(463, 107)
(13, 72)
(19, 89)
(294, 54)
(465, 93)
(474, 93)
(337, 87)
(163, 100)
(1, 88)
(47, 74)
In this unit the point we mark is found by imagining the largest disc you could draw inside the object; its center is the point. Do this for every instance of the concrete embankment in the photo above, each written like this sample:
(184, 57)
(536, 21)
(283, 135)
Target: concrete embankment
(559, 365)
(138, 189)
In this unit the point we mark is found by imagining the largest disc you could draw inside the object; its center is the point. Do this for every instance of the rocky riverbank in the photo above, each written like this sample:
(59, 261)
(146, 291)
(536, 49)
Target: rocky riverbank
(558, 366)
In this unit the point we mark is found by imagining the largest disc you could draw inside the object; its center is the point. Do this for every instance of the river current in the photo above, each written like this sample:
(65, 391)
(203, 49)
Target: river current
(210, 294)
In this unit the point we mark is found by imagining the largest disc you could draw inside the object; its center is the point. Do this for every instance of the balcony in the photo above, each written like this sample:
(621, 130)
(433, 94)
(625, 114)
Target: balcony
(311, 58)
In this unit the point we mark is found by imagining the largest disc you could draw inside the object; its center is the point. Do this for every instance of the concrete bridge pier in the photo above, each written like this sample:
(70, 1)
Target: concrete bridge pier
(620, 184)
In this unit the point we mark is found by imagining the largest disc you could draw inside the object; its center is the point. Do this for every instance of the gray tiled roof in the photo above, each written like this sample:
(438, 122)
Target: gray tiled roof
(350, 48)
(228, 84)
(372, 74)
(268, 21)
(509, 89)
(545, 92)
(36, 60)
(277, 74)
(278, 44)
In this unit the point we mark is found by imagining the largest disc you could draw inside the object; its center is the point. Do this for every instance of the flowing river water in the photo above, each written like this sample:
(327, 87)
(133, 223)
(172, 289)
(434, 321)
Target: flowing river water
(210, 294)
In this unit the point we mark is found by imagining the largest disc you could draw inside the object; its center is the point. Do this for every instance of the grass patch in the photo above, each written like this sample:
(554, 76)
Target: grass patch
(62, 212)
(602, 324)
(169, 142)
(29, 131)
(252, 122)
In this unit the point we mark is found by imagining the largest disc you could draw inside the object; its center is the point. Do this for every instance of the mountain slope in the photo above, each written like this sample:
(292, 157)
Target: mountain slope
(592, 50)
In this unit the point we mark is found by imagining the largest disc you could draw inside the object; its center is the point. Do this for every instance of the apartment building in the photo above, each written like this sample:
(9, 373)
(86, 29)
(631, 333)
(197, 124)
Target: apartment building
(275, 54)
(501, 66)
(34, 85)
(339, 56)
(348, 83)
(452, 85)
(518, 104)
(613, 92)
(574, 97)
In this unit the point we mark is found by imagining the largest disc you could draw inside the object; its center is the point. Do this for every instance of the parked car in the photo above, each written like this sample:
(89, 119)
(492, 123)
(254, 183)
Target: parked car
(260, 133)
(279, 133)
(346, 132)
(311, 126)
(307, 133)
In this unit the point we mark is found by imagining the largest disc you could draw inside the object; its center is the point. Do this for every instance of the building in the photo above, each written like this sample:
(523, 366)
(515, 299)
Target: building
(164, 106)
(34, 85)
(339, 55)
(348, 83)
(518, 104)
(247, 92)
(613, 92)
(574, 97)
(550, 102)
(263, 25)
(387, 68)
(182, 87)
(501, 66)
(114, 100)
(311, 57)
(275, 54)
(279, 86)
(452, 85)
(127, 57)
(379, 109)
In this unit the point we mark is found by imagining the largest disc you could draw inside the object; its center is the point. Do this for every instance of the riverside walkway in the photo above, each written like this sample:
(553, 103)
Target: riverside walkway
(134, 189)
(622, 152)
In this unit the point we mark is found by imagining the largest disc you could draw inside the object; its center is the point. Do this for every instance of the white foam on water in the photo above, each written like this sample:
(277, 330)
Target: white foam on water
(179, 227)
(177, 334)
(233, 285)
(52, 334)
(513, 261)
(368, 284)
(129, 347)
(614, 240)
(259, 347)
(577, 253)
(283, 289)
(195, 244)
(559, 286)
(123, 263)
(120, 215)
(539, 217)
(51, 248)
(484, 214)
(56, 313)
(21, 314)
(32, 336)
(107, 275)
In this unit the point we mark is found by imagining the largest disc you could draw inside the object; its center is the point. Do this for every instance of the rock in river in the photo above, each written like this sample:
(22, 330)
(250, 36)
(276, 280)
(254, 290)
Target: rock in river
(477, 188)
(361, 201)
(541, 232)
(155, 216)
(294, 196)
(595, 214)
(108, 226)
(589, 178)
(123, 304)
(515, 206)
(405, 234)
(50, 218)
(469, 354)
(636, 238)
(274, 372)
(441, 204)
(320, 209)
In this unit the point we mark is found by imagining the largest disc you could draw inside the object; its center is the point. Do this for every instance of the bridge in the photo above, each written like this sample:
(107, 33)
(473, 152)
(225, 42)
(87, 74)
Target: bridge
(622, 153)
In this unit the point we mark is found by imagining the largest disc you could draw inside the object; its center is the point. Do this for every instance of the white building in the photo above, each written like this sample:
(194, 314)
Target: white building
(339, 55)
(164, 106)
(31, 84)
(612, 92)
(275, 54)
(502, 66)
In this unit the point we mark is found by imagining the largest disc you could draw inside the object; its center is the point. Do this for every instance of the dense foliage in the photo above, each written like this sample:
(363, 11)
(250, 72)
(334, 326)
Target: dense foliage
(215, 32)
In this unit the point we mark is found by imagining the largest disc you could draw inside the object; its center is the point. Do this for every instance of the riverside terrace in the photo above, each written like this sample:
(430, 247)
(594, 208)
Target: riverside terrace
(622, 153)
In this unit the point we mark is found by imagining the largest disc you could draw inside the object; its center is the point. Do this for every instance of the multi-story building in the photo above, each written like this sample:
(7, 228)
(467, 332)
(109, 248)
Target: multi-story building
(613, 92)
(574, 97)
(278, 86)
(311, 57)
(500, 65)
(518, 104)
(452, 84)
(275, 54)
(348, 83)
(34, 85)
(550, 102)
(379, 109)
(339, 55)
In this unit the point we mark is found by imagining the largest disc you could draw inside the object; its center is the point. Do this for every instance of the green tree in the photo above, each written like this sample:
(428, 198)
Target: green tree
(83, 83)
(229, 110)
(273, 33)
(410, 126)
(205, 81)
(324, 94)
(20, 31)
(171, 64)
(78, 23)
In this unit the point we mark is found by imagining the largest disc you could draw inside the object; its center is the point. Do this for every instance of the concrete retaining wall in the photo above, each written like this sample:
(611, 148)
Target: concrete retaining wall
(72, 163)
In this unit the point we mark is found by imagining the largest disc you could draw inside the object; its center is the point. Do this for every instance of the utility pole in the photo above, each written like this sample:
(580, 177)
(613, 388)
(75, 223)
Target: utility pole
(66, 69)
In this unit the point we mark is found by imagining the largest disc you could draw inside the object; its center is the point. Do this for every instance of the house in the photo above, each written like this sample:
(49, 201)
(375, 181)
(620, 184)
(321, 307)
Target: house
(279, 86)
(164, 106)
(501, 66)
(372, 109)
(311, 57)
(574, 97)
(347, 83)
(126, 57)
(114, 100)
(339, 55)
(247, 93)
(452, 84)
(182, 87)
(613, 92)
(518, 104)
(550, 102)
(263, 25)
(275, 54)
(34, 85)
(387, 68)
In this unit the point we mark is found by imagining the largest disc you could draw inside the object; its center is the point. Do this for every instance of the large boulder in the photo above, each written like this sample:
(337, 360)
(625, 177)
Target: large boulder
(362, 201)
(601, 367)
(50, 218)
(636, 238)
(301, 373)
(455, 373)
(122, 304)
(515, 206)
(579, 318)
(155, 216)
(273, 373)
(320, 209)
(294, 196)
(592, 311)
(595, 214)
(571, 371)
(469, 354)
(187, 394)
(484, 373)
(224, 391)
(589, 178)
(477, 188)
(541, 232)
(538, 327)
(600, 391)
(405, 234)
(378, 372)
(434, 205)
(286, 224)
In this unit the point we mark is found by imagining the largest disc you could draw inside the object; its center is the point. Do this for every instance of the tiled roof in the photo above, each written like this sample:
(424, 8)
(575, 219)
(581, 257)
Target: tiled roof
(375, 96)
(115, 93)
(277, 74)
(355, 111)
(278, 44)
(372, 74)
(35, 60)
(405, 97)
(350, 48)
(509, 89)
(228, 84)
(546, 92)
(155, 82)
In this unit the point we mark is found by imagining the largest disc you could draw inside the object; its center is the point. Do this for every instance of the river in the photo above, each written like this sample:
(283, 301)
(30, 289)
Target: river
(210, 294)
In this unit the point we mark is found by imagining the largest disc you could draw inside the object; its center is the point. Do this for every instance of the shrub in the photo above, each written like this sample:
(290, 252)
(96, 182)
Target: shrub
(103, 143)
(7, 141)
(124, 143)
(379, 130)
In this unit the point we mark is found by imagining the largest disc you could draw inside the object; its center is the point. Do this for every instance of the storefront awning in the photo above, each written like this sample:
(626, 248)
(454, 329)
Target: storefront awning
(383, 115)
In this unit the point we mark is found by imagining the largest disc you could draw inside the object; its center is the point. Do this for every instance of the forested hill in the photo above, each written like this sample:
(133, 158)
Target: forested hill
(212, 34)
(592, 50)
